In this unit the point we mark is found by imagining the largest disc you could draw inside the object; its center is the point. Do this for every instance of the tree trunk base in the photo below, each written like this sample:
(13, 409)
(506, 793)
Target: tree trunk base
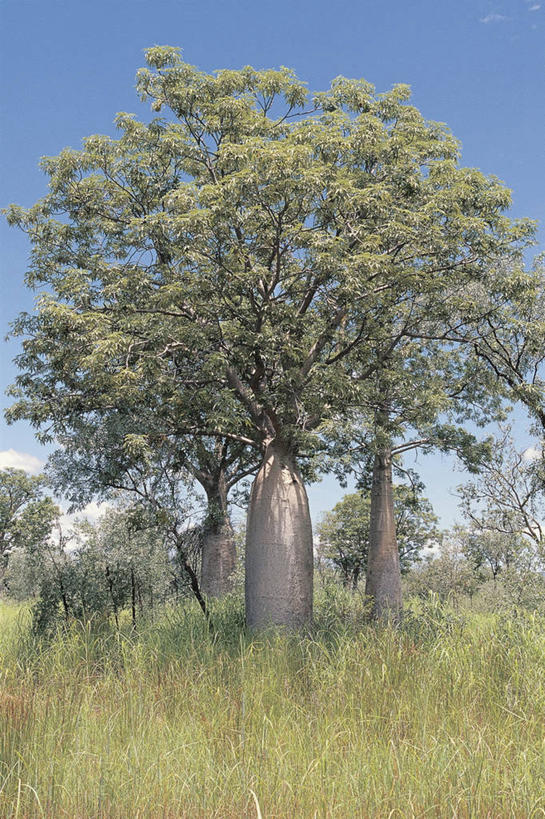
(279, 555)
(383, 584)
(218, 561)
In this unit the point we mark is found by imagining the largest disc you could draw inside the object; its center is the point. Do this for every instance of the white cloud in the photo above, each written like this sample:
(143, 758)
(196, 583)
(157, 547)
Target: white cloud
(92, 512)
(494, 18)
(10, 459)
(535, 7)
(531, 454)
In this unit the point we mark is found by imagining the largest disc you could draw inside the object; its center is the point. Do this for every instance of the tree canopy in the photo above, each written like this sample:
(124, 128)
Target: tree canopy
(26, 514)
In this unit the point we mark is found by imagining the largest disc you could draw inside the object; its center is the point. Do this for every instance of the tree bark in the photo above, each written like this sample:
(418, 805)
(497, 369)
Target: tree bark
(279, 556)
(218, 544)
(3, 573)
(193, 581)
(112, 595)
(133, 597)
(383, 585)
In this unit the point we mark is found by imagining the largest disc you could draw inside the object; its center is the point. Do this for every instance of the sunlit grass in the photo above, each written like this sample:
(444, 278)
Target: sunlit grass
(444, 717)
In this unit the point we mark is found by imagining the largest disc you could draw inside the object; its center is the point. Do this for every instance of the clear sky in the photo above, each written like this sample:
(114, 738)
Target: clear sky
(68, 66)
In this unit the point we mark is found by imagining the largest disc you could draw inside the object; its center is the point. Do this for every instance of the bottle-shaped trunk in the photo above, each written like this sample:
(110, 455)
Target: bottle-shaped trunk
(383, 586)
(279, 557)
(218, 544)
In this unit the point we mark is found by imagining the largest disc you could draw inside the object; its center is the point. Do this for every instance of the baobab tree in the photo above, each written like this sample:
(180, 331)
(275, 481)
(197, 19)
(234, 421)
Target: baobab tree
(258, 235)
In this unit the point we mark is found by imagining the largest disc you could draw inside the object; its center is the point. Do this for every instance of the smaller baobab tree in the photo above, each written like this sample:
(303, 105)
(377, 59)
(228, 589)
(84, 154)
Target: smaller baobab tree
(139, 450)
(420, 397)
(344, 531)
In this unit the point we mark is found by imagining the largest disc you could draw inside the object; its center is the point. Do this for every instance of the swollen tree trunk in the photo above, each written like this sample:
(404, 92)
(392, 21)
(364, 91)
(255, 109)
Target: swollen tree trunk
(279, 557)
(383, 586)
(218, 544)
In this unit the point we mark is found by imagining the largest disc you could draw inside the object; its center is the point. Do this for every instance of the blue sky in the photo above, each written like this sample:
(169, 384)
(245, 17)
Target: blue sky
(68, 66)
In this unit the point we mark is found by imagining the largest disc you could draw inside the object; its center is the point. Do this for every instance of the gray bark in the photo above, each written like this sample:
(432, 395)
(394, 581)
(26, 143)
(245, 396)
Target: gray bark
(279, 556)
(383, 586)
(218, 545)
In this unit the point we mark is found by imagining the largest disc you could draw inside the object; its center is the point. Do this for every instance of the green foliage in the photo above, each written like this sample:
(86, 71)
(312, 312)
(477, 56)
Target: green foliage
(492, 552)
(510, 340)
(26, 515)
(126, 562)
(494, 570)
(449, 575)
(344, 532)
(516, 589)
(227, 259)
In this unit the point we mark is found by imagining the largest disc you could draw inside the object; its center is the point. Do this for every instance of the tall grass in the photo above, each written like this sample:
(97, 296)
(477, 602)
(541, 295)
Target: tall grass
(444, 717)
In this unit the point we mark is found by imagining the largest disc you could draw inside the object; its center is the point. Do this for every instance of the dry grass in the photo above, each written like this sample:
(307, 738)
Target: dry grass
(443, 718)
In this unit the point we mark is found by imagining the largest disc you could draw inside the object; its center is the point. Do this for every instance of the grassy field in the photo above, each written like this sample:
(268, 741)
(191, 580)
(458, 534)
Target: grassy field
(442, 718)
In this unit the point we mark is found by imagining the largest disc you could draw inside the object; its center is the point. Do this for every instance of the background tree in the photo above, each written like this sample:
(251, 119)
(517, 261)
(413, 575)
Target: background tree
(122, 449)
(491, 551)
(104, 465)
(274, 242)
(344, 532)
(120, 564)
(508, 496)
(496, 571)
(27, 516)
(447, 574)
